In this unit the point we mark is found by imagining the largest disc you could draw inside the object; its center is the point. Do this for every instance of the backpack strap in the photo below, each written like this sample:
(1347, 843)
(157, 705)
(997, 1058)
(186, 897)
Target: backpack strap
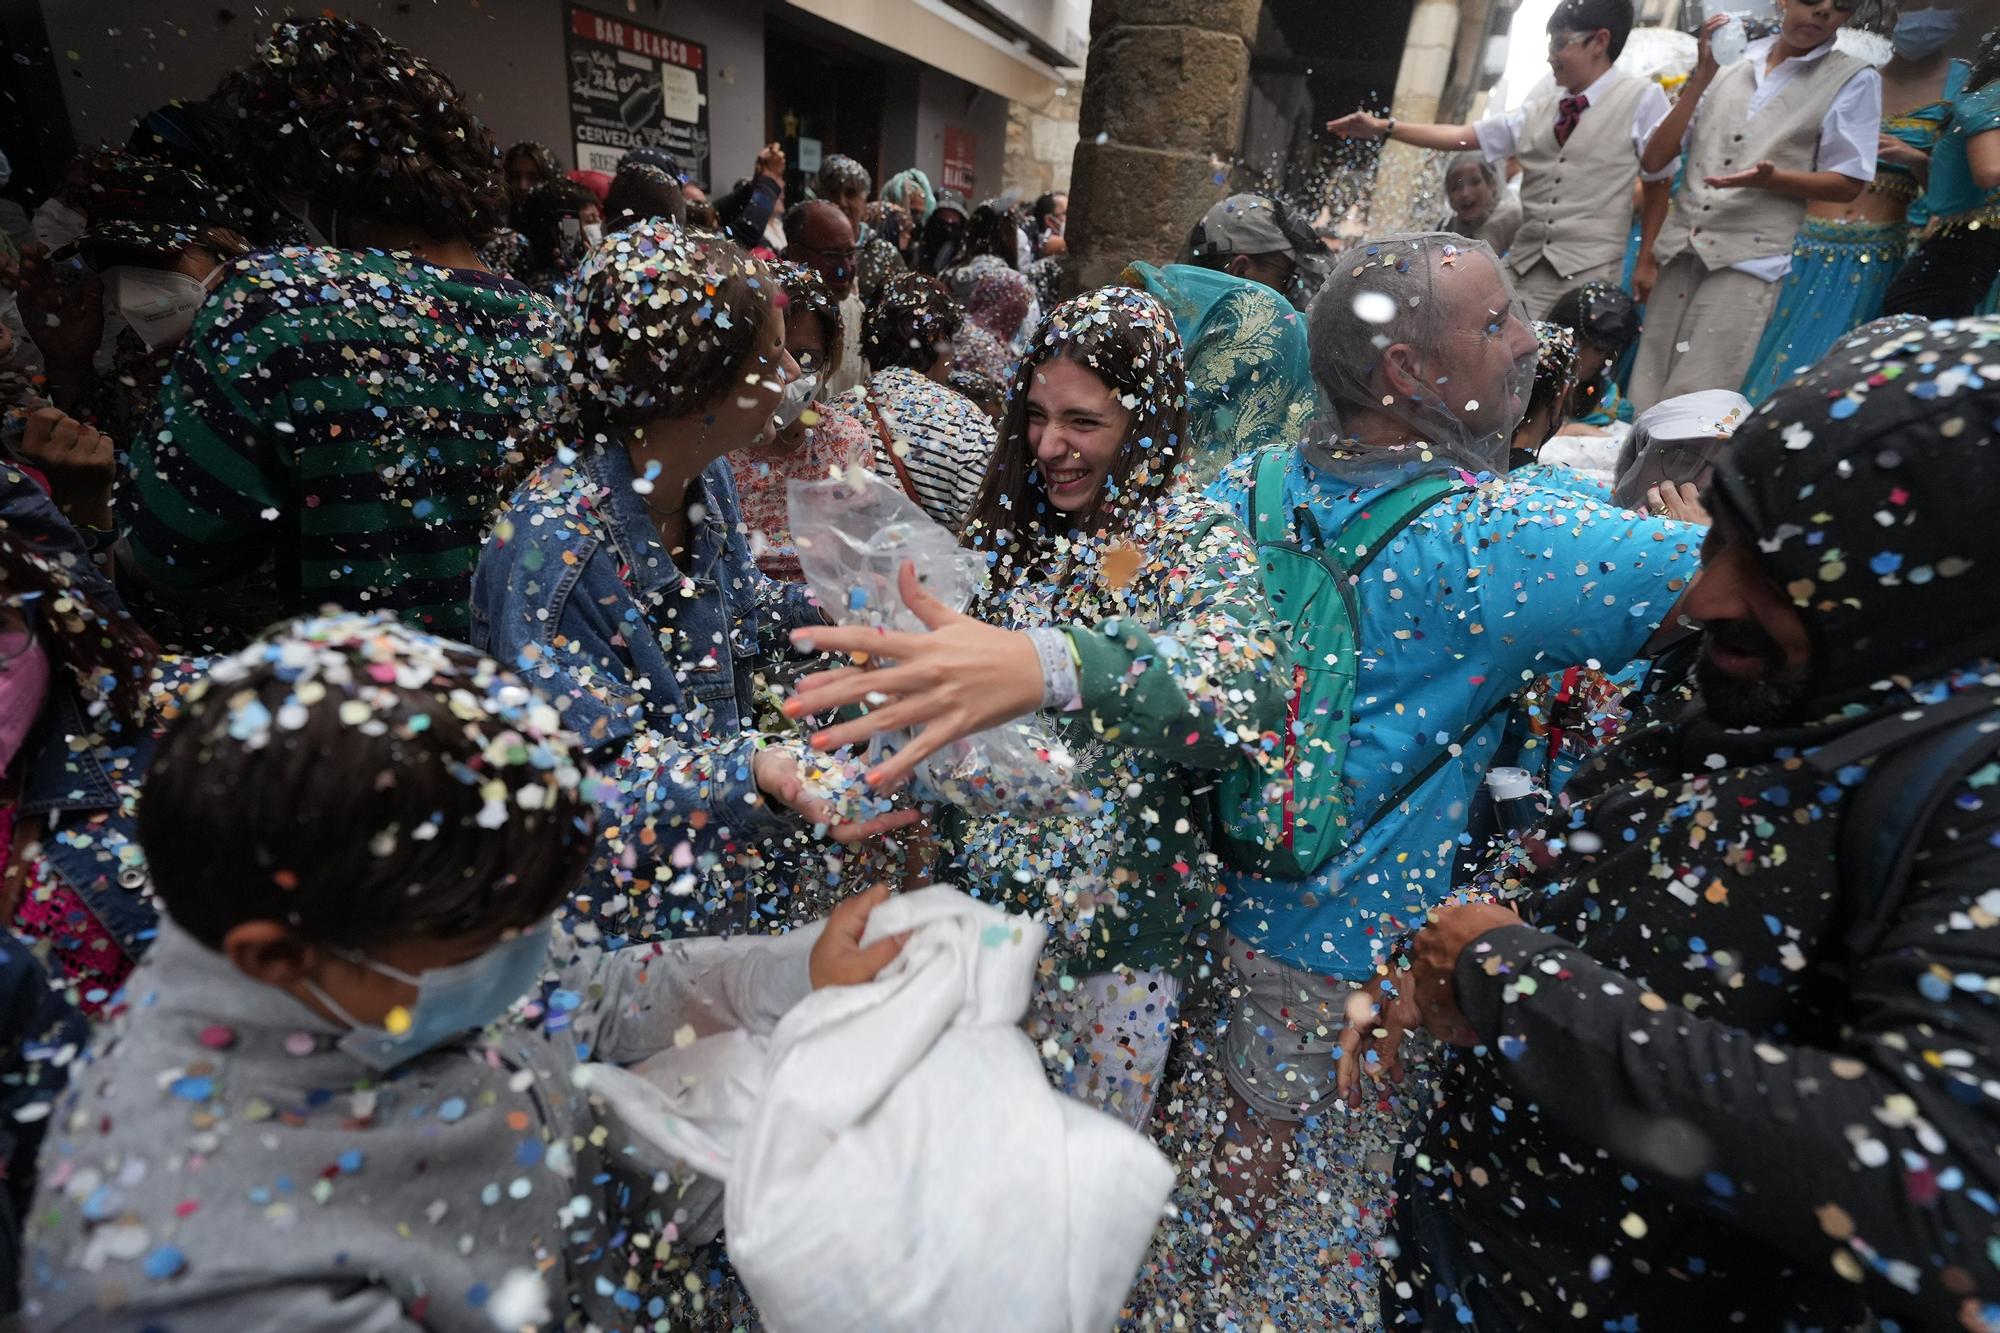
(1267, 496)
(1919, 760)
(1428, 771)
(1354, 549)
(1371, 531)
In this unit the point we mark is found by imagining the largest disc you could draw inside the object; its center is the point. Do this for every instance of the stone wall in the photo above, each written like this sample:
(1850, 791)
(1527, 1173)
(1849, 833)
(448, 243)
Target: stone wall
(1161, 117)
(1041, 144)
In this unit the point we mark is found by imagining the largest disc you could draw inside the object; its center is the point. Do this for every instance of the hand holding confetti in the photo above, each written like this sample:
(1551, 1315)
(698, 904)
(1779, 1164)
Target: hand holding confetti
(780, 778)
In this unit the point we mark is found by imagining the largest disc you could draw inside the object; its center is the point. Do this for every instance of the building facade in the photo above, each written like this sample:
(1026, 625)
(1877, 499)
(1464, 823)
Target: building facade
(892, 83)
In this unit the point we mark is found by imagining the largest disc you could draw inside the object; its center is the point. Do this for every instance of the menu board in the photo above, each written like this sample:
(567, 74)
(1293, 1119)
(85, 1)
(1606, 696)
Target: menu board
(630, 87)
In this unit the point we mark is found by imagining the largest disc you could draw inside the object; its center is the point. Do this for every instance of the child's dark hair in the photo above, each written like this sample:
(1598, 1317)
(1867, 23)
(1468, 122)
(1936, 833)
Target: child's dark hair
(1555, 376)
(912, 318)
(361, 781)
(1590, 15)
(332, 110)
(1601, 315)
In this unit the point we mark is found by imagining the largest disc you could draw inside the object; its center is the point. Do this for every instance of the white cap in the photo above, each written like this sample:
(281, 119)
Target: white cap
(1508, 784)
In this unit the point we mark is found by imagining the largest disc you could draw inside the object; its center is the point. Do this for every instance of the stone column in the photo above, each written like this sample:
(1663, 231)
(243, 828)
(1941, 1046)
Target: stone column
(1420, 83)
(1162, 112)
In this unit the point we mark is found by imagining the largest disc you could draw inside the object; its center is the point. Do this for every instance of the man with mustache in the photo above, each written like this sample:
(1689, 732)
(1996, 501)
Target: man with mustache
(1728, 1067)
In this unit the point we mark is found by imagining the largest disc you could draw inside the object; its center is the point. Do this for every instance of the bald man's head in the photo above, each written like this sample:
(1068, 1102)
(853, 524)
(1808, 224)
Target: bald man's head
(820, 236)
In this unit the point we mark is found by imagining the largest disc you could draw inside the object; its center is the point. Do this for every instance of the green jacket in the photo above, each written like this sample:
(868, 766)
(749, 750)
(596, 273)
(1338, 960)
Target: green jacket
(1183, 673)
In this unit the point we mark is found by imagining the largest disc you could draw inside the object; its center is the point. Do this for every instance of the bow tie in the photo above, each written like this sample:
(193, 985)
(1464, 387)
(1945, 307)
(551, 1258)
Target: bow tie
(1568, 112)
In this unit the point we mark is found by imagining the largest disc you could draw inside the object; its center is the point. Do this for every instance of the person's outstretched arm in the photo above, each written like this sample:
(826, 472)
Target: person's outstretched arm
(1442, 138)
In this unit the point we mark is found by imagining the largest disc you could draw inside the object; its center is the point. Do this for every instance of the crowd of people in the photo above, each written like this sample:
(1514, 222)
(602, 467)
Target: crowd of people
(1529, 728)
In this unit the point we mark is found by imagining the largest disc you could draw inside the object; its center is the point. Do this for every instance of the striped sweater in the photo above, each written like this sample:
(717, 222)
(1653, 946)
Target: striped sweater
(346, 417)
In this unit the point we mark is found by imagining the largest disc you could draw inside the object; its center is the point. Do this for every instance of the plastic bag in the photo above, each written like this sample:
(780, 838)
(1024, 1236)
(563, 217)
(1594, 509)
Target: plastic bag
(853, 532)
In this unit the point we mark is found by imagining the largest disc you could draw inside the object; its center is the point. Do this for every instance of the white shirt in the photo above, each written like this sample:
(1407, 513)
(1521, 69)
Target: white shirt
(1849, 132)
(1500, 136)
(850, 370)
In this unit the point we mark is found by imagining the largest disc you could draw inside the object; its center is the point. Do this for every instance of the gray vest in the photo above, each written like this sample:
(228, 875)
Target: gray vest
(1729, 226)
(1577, 197)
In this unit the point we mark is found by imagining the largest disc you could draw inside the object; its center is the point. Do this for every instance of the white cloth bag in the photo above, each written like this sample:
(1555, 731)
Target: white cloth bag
(894, 1158)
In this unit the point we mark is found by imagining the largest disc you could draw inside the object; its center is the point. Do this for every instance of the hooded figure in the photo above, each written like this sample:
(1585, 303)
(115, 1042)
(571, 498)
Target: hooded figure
(1410, 389)
(1866, 488)
(1762, 1117)
(896, 190)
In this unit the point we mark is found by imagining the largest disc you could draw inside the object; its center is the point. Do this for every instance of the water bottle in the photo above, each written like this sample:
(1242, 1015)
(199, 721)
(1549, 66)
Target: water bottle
(1728, 42)
(1519, 804)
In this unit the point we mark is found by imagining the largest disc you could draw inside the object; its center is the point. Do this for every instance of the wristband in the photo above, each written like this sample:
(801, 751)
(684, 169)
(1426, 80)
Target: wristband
(1390, 132)
(1062, 688)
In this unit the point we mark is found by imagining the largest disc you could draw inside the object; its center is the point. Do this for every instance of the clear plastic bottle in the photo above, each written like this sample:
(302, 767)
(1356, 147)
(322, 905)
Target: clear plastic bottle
(1729, 41)
(1520, 805)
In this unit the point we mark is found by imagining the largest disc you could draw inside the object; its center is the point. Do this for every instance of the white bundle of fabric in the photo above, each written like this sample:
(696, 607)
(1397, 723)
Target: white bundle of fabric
(893, 1156)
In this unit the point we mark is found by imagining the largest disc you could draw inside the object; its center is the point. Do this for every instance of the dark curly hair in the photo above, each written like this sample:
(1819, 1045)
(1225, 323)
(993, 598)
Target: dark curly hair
(912, 318)
(245, 822)
(639, 358)
(332, 110)
(806, 294)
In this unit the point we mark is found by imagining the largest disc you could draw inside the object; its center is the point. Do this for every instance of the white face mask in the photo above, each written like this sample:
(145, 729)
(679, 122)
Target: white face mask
(593, 233)
(797, 398)
(159, 304)
(56, 224)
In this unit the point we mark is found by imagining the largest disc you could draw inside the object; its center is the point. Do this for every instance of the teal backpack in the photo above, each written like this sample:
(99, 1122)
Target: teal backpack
(1289, 826)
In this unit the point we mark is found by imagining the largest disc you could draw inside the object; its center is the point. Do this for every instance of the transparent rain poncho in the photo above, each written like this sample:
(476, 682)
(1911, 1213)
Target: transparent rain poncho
(854, 531)
(1441, 307)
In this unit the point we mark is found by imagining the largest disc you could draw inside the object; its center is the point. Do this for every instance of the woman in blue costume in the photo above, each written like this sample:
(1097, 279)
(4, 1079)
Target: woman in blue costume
(1847, 254)
(1956, 268)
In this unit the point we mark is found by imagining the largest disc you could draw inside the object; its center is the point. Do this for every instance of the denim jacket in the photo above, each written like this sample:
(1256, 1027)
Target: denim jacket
(81, 773)
(650, 664)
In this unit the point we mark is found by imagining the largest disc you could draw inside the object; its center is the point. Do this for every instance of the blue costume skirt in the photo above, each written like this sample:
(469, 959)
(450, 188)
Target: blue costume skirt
(1840, 273)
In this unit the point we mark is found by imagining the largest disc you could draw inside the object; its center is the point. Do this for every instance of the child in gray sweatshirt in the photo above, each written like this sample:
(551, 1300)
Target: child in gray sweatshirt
(342, 1094)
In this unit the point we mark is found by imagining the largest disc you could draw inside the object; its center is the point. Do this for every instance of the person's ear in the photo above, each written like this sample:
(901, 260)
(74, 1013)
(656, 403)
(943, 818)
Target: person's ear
(269, 952)
(1399, 371)
(1239, 266)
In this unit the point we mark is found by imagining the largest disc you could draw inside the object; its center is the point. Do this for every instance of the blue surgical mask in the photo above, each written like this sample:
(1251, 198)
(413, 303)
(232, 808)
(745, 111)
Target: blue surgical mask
(451, 1001)
(1922, 33)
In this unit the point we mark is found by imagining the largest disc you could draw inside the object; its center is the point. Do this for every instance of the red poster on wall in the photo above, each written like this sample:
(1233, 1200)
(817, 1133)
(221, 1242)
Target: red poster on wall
(961, 160)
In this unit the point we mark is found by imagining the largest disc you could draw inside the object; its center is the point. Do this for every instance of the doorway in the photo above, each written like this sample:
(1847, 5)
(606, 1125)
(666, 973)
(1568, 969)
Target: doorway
(820, 99)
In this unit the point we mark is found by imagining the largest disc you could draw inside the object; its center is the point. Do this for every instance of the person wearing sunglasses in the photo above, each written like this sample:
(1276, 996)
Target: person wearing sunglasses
(1579, 148)
(823, 239)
